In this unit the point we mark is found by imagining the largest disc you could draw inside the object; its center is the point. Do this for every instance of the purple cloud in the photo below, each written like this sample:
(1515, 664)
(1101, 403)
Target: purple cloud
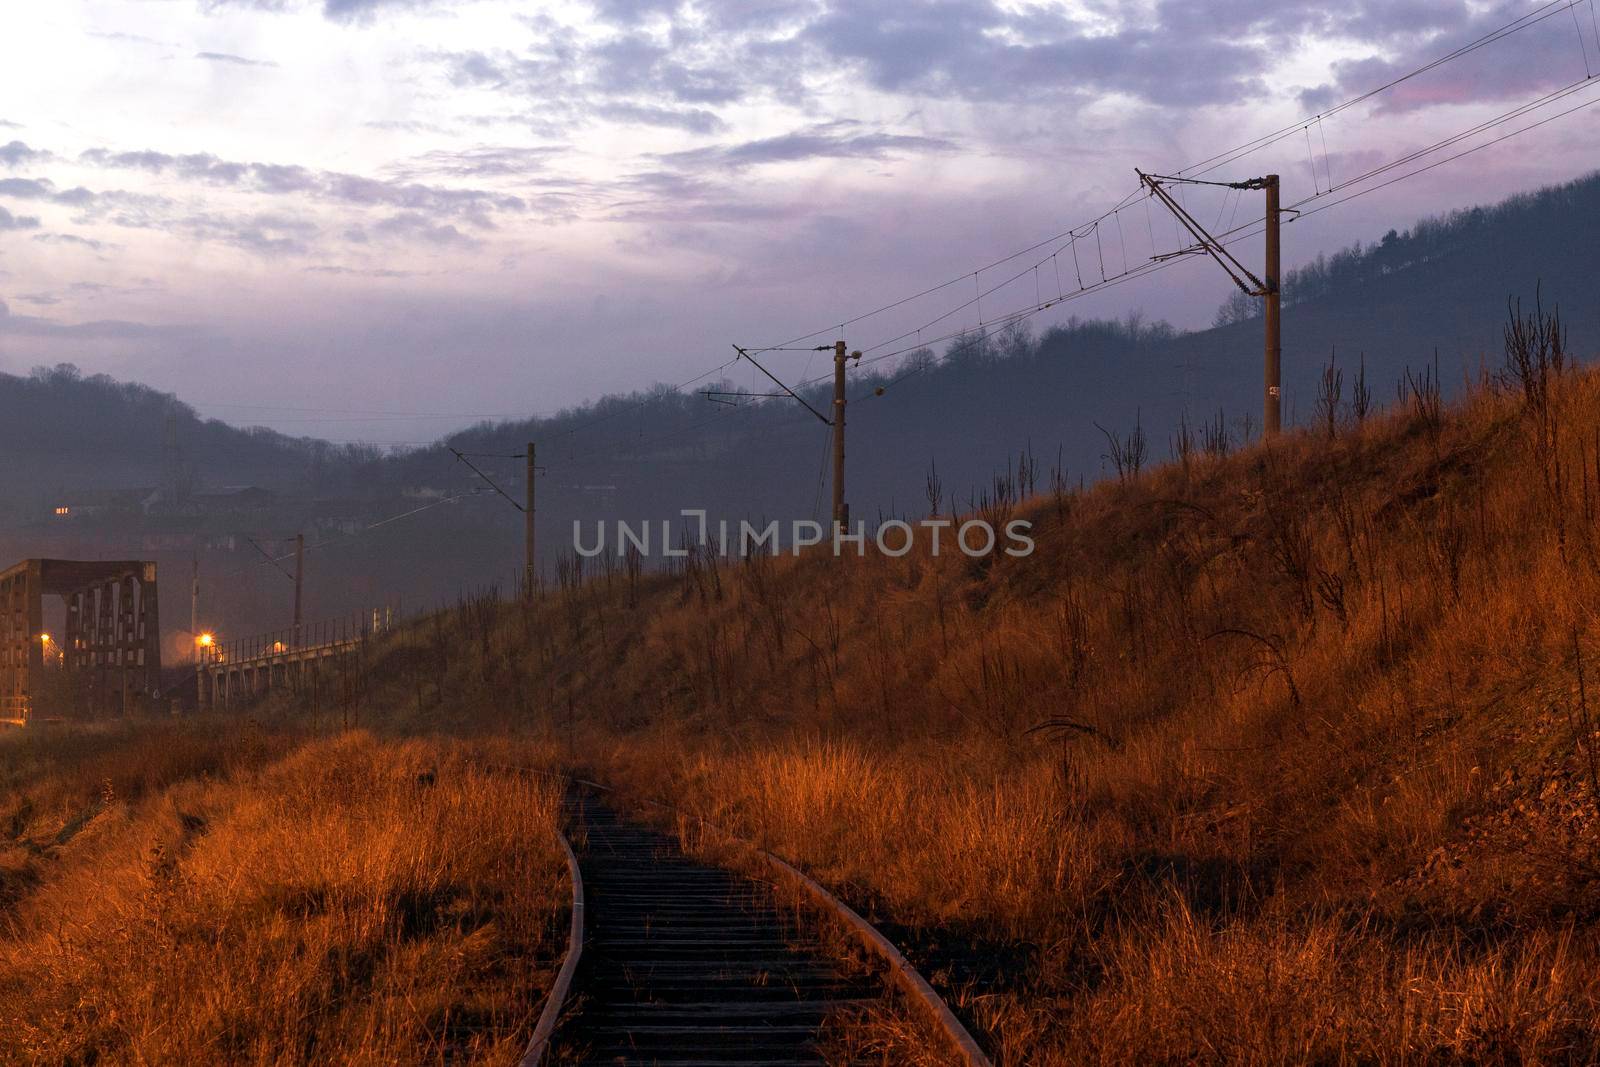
(8, 221)
(472, 205)
(16, 153)
(833, 140)
(1548, 49)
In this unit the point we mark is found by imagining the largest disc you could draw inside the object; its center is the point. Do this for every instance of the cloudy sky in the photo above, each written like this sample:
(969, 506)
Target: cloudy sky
(380, 219)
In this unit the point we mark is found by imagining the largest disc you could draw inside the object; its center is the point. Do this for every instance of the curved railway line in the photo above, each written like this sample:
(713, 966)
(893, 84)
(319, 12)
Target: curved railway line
(676, 963)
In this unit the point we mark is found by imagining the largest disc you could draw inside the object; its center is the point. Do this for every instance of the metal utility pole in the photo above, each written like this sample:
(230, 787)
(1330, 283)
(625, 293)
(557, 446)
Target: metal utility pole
(1272, 413)
(526, 508)
(1248, 283)
(299, 580)
(841, 510)
(197, 650)
(194, 608)
(527, 528)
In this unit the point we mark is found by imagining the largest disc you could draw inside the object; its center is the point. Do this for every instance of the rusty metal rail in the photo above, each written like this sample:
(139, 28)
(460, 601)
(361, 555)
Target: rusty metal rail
(900, 969)
(561, 990)
(688, 964)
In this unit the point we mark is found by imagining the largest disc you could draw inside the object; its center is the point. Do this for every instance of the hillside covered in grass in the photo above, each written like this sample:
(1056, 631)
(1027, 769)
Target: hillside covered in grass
(1286, 754)
(1281, 754)
(237, 891)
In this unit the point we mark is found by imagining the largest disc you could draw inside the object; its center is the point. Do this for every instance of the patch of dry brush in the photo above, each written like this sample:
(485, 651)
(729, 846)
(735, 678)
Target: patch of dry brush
(355, 901)
(1274, 754)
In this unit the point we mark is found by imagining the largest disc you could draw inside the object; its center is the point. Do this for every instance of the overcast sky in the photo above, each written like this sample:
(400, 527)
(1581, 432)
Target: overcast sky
(381, 219)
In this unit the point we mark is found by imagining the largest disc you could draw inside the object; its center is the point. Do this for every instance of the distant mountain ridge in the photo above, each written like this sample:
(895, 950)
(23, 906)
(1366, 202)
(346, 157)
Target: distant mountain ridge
(982, 405)
(63, 432)
(1548, 222)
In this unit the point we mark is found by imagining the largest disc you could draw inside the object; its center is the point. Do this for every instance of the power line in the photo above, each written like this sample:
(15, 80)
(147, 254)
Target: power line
(355, 534)
(462, 456)
(1248, 229)
(1252, 228)
(1517, 25)
(1448, 159)
(1212, 163)
(1520, 110)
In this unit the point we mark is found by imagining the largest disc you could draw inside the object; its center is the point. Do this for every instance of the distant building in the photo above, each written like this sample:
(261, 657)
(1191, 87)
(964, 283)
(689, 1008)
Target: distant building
(107, 660)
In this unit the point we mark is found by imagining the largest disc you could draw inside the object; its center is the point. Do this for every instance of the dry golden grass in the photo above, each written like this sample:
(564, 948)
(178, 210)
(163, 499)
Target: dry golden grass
(357, 901)
(55, 781)
(1277, 757)
(1281, 756)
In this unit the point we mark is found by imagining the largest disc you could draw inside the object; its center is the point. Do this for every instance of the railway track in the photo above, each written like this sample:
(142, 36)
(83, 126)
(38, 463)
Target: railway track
(681, 964)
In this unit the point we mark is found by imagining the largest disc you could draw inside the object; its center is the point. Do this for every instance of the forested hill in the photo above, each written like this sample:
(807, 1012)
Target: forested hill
(1441, 286)
(1549, 232)
(63, 432)
(968, 411)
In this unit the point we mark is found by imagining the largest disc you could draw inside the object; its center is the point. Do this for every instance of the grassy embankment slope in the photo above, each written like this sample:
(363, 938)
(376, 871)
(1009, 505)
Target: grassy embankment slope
(1283, 754)
(1278, 755)
(223, 892)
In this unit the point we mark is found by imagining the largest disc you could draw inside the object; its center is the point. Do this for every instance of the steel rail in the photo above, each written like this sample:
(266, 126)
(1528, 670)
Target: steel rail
(902, 971)
(561, 991)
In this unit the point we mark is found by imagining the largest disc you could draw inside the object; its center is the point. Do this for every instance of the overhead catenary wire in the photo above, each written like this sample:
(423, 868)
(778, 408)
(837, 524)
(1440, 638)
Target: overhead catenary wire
(1516, 25)
(1054, 238)
(1448, 159)
(331, 542)
(1554, 96)
(1252, 227)
(1582, 44)
(462, 456)
(1067, 239)
(1499, 33)
(1233, 234)
(1214, 162)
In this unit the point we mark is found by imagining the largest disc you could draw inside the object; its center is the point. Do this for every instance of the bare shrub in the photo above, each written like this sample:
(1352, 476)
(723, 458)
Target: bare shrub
(1330, 391)
(1127, 453)
(1361, 394)
(1183, 444)
(1535, 353)
(1215, 438)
